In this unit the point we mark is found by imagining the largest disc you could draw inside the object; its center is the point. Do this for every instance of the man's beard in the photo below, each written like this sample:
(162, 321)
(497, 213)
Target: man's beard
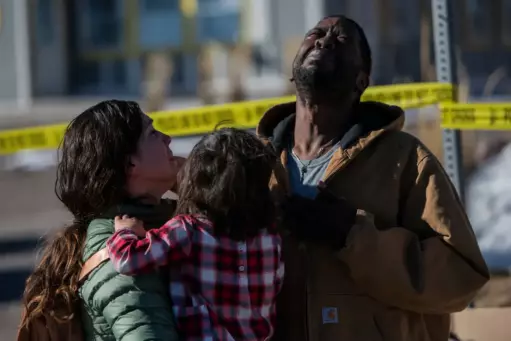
(315, 85)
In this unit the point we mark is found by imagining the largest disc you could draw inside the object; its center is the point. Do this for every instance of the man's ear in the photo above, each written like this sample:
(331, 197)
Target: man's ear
(362, 81)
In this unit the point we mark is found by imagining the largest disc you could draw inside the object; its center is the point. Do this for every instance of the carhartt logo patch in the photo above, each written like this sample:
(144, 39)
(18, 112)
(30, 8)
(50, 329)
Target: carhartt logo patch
(330, 315)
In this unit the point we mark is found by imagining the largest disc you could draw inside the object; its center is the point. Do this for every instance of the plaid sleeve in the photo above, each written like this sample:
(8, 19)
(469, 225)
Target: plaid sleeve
(171, 243)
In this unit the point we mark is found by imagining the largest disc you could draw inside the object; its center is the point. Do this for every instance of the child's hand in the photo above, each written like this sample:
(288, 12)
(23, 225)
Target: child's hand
(132, 224)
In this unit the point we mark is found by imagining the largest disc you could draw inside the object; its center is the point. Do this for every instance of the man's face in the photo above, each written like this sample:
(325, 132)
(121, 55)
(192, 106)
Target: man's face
(329, 59)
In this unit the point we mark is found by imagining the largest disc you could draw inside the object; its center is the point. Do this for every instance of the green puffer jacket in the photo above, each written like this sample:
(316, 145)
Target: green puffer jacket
(121, 308)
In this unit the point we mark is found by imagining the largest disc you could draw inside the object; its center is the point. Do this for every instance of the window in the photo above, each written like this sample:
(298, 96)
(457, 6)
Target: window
(178, 76)
(100, 24)
(218, 20)
(218, 7)
(87, 74)
(44, 24)
(159, 24)
(222, 28)
(119, 73)
(478, 16)
(101, 76)
(478, 23)
(160, 5)
(404, 15)
(505, 19)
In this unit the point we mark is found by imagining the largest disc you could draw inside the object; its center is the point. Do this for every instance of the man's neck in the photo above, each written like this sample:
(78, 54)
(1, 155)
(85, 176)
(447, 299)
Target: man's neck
(318, 126)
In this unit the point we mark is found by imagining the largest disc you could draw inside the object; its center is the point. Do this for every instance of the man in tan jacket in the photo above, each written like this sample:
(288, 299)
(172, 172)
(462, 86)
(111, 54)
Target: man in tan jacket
(377, 244)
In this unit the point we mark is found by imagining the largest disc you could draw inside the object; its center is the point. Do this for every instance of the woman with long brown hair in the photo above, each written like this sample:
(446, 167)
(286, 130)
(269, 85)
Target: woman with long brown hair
(113, 162)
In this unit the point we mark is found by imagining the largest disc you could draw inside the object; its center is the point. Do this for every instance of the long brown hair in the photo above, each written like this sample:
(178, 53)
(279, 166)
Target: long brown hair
(225, 178)
(91, 178)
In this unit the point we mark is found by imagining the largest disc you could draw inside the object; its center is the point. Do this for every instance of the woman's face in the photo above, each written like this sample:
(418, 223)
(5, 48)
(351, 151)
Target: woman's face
(154, 168)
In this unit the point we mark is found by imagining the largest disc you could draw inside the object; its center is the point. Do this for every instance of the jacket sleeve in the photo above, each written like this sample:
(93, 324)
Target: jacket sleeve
(136, 308)
(431, 263)
(130, 255)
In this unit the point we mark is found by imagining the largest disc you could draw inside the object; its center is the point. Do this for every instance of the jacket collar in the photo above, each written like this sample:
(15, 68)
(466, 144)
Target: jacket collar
(374, 118)
(100, 229)
(277, 124)
(153, 216)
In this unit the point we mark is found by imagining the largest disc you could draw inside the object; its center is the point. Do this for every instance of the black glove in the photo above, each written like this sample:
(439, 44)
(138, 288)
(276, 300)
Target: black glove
(326, 219)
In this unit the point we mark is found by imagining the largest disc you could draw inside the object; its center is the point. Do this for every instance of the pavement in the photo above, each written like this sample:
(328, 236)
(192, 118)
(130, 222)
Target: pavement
(28, 211)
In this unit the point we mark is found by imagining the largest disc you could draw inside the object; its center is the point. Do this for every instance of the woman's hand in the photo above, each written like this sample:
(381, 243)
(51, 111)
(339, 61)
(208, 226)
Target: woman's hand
(133, 224)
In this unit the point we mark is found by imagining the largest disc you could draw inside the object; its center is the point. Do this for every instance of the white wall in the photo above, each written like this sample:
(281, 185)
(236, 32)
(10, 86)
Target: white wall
(49, 53)
(14, 55)
(366, 14)
(259, 21)
(313, 12)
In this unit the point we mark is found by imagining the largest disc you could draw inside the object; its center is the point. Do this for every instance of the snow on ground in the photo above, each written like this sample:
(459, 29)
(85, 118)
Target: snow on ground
(488, 202)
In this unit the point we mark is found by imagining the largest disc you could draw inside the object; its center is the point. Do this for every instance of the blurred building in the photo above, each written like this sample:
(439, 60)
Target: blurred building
(104, 43)
(98, 47)
(400, 34)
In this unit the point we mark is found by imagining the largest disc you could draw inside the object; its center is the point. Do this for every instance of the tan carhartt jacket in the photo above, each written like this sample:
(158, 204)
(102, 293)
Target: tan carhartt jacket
(411, 259)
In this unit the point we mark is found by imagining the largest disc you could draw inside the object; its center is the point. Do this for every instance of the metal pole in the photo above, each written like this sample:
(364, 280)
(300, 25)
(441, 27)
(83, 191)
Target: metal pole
(314, 11)
(446, 71)
(22, 51)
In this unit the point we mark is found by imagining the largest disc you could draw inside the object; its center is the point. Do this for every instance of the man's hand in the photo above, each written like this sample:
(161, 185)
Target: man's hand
(326, 219)
(133, 224)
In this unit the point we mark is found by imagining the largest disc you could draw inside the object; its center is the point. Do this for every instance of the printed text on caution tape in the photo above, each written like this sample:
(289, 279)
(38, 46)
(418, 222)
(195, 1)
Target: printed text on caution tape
(475, 116)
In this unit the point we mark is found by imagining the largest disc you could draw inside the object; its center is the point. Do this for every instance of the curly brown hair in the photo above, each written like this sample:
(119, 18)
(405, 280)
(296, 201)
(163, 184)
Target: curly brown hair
(226, 178)
(91, 178)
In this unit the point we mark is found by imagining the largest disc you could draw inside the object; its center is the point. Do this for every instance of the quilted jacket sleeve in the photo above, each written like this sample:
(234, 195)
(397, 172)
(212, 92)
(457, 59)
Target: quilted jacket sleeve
(137, 308)
(130, 308)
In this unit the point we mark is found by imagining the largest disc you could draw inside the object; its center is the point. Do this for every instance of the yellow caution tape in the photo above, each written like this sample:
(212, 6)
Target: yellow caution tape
(476, 116)
(195, 121)
(409, 96)
(44, 137)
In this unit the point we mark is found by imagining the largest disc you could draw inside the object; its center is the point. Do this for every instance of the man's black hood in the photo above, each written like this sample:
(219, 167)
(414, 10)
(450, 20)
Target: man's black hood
(277, 123)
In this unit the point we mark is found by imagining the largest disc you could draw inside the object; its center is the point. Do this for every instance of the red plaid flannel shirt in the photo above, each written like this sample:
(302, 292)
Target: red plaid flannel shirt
(221, 289)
